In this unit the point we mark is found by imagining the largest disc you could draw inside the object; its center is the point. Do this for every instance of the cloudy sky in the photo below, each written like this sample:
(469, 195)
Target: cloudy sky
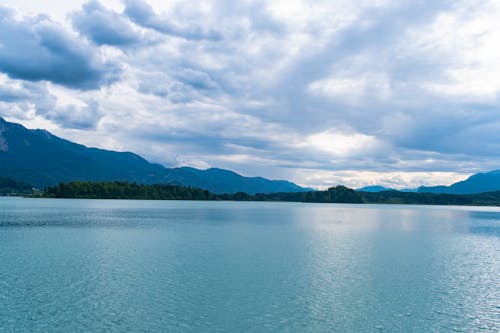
(396, 93)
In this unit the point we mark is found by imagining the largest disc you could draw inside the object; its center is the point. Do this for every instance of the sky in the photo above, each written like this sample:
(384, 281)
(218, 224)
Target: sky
(394, 93)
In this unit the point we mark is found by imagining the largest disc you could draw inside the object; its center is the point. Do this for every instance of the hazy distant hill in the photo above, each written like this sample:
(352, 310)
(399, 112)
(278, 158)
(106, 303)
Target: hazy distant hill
(374, 188)
(39, 158)
(478, 183)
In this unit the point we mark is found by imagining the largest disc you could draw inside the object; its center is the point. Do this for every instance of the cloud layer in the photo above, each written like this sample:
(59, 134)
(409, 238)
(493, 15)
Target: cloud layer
(373, 92)
(36, 49)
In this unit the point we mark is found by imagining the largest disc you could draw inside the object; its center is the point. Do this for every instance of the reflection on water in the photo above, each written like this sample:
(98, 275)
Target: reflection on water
(147, 266)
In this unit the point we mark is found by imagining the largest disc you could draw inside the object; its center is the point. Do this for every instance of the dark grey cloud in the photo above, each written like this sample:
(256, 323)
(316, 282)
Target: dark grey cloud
(37, 49)
(104, 26)
(144, 15)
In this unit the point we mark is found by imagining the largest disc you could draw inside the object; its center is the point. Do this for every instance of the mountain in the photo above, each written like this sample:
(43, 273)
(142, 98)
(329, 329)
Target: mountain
(375, 188)
(226, 181)
(478, 183)
(40, 158)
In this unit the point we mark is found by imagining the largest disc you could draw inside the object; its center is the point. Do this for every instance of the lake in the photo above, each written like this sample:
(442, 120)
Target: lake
(185, 266)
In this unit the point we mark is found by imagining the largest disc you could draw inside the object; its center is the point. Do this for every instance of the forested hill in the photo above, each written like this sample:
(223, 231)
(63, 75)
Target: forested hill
(338, 194)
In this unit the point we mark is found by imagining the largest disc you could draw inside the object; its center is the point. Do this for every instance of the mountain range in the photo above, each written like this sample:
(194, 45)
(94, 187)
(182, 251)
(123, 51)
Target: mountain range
(42, 159)
(477, 183)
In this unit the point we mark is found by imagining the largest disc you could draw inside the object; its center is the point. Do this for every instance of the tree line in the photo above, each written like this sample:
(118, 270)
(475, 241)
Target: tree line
(126, 190)
(337, 194)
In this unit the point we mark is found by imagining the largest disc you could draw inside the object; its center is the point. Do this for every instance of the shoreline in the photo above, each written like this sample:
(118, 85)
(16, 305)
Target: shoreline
(262, 201)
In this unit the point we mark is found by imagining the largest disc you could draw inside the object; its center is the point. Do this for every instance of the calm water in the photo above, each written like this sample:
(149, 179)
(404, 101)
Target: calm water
(172, 266)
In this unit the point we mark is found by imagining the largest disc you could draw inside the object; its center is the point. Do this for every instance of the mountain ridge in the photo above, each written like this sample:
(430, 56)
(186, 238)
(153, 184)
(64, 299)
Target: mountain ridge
(40, 158)
(477, 183)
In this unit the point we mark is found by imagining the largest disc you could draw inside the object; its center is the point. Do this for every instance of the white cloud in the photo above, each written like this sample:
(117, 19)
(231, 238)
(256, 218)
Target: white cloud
(467, 39)
(358, 179)
(352, 90)
(340, 144)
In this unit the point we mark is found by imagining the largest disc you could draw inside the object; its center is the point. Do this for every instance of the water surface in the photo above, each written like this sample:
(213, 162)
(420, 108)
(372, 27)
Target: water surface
(180, 266)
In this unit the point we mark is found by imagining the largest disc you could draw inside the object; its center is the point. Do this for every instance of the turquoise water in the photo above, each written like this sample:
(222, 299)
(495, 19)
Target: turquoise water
(174, 266)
